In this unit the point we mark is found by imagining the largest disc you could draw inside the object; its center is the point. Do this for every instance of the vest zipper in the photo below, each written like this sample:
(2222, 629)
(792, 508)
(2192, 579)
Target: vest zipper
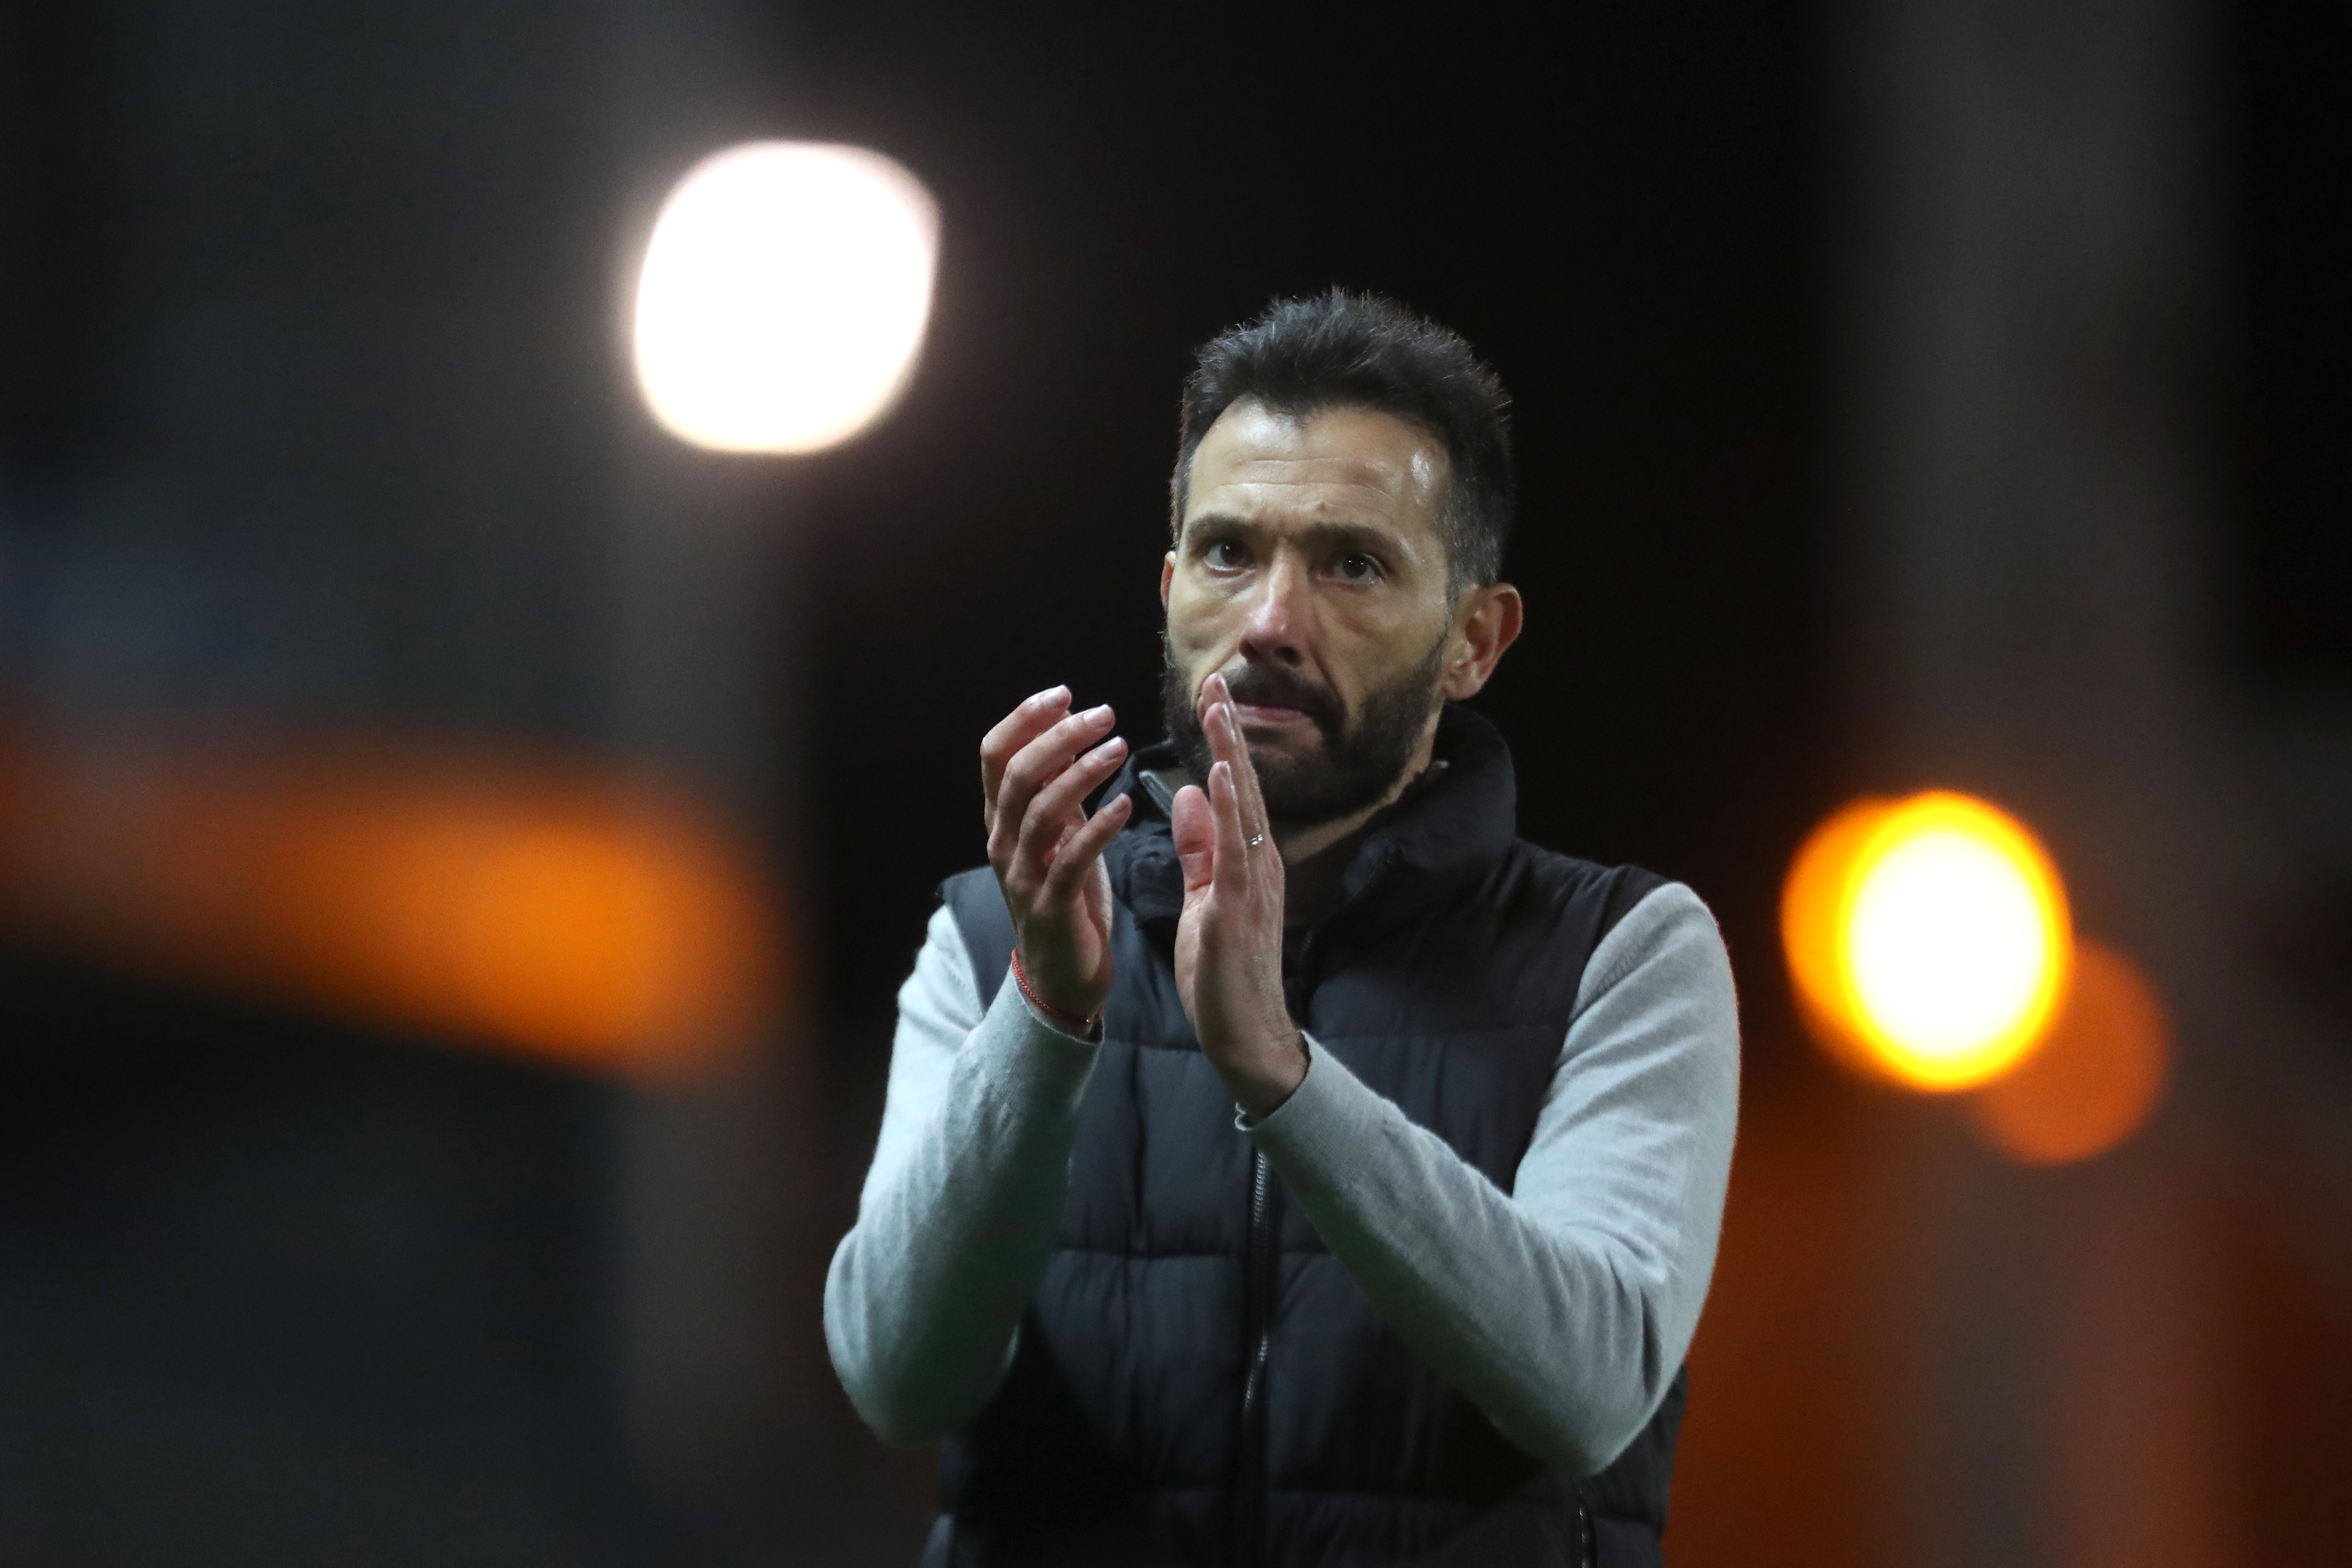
(1260, 1265)
(1257, 1301)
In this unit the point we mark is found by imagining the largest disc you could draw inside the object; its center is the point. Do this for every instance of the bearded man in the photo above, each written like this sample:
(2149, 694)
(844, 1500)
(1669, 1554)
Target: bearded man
(1284, 1162)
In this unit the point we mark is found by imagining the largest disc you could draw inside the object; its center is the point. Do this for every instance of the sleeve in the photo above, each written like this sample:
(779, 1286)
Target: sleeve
(958, 1212)
(1562, 1308)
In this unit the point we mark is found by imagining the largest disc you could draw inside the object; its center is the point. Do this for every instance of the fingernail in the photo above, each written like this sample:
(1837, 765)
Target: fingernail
(1051, 695)
(1106, 751)
(1093, 716)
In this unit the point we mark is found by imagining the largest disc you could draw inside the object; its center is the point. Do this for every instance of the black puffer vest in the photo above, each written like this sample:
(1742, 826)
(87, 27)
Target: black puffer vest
(1197, 1379)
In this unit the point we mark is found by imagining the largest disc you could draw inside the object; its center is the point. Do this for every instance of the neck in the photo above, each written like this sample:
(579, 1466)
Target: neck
(1315, 858)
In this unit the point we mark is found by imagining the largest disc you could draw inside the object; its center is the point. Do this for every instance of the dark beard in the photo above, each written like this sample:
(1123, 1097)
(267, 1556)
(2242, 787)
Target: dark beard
(1362, 760)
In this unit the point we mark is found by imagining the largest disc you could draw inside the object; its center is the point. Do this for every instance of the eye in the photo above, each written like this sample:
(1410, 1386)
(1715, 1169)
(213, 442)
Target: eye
(1226, 555)
(1356, 569)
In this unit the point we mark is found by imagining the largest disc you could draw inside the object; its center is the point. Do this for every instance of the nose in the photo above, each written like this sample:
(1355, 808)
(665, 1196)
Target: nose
(1278, 614)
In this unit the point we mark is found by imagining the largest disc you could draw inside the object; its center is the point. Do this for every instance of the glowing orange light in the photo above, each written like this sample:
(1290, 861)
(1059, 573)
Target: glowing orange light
(1928, 939)
(2095, 1078)
(544, 910)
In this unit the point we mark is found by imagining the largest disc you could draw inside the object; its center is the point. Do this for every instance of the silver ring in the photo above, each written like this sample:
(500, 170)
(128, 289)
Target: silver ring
(1253, 841)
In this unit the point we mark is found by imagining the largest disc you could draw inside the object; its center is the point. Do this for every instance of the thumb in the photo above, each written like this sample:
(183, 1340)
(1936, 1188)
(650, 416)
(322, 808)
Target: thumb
(1196, 837)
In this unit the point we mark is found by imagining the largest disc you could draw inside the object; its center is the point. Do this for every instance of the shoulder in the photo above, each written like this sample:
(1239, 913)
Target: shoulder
(939, 999)
(971, 907)
(964, 884)
(1631, 919)
(1665, 941)
(976, 904)
(1604, 895)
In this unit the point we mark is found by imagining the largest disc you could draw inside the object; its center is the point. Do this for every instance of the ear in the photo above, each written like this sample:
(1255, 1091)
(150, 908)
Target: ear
(1167, 576)
(1486, 626)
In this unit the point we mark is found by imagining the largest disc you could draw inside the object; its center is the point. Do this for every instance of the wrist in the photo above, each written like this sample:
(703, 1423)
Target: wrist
(1262, 1079)
(1086, 1024)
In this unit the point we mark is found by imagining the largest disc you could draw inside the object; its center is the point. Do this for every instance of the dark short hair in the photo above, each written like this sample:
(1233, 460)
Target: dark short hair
(1362, 351)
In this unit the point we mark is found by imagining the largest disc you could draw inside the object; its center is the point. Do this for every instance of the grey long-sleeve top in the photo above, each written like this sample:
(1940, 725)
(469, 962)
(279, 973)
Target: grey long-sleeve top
(1561, 1308)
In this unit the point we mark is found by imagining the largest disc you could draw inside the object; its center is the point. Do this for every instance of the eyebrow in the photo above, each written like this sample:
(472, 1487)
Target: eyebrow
(1329, 535)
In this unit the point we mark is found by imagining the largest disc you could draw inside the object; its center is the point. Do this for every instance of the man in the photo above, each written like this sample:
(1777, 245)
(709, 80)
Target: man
(1284, 1162)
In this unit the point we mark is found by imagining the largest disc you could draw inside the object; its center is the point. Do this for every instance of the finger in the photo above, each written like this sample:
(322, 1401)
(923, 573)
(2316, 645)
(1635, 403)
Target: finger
(1233, 746)
(1012, 732)
(1231, 872)
(1054, 813)
(1036, 764)
(1079, 855)
(1045, 759)
(1188, 817)
(1057, 808)
(1252, 801)
(1220, 700)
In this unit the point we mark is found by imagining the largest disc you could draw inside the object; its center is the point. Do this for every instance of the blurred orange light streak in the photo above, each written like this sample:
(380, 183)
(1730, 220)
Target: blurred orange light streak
(556, 912)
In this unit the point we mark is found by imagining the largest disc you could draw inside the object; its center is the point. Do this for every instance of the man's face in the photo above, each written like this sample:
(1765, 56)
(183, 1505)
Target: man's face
(1308, 570)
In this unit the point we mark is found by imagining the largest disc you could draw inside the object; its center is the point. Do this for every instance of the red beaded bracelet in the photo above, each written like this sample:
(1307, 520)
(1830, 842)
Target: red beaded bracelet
(1069, 1021)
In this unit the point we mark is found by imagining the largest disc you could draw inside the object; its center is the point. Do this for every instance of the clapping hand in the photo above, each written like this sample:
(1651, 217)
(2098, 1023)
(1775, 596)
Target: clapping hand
(1229, 937)
(1036, 768)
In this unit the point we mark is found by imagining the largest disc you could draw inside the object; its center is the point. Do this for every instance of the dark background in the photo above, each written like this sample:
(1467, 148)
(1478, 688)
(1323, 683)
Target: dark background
(307, 386)
(1621, 212)
(2292, 408)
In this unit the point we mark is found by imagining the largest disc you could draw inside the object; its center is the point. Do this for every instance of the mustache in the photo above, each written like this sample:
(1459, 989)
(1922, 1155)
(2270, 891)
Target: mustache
(1268, 686)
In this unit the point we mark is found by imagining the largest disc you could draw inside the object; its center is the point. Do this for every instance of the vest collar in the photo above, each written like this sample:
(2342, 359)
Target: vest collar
(1448, 831)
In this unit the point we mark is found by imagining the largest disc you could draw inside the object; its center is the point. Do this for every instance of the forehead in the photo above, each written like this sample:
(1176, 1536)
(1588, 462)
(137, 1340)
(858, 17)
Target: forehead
(1336, 465)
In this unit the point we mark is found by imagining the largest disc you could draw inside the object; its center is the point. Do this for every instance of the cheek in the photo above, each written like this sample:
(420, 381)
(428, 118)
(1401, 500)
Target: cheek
(1378, 654)
(1197, 622)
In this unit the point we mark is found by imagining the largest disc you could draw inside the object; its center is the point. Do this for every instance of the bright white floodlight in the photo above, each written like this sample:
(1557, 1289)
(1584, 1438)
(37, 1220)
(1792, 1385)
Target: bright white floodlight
(783, 296)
